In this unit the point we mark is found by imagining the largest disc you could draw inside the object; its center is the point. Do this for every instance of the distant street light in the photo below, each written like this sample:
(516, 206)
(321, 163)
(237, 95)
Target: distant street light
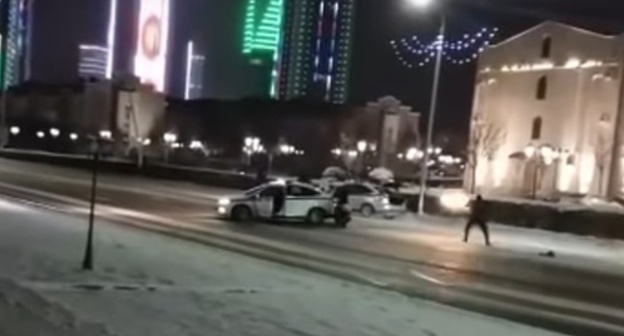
(146, 142)
(170, 138)
(54, 132)
(105, 134)
(73, 136)
(361, 146)
(40, 135)
(15, 130)
(196, 144)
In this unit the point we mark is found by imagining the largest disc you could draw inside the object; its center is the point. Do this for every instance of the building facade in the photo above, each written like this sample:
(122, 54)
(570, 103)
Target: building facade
(315, 50)
(93, 61)
(17, 29)
(548, 115)
(262, 35)
(194, 82)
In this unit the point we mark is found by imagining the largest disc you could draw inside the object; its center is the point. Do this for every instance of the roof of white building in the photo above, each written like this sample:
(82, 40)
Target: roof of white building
(549, 24)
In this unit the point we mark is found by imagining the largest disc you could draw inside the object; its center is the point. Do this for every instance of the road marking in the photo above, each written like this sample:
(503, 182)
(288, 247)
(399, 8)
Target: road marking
(374, 282)
(428, 278)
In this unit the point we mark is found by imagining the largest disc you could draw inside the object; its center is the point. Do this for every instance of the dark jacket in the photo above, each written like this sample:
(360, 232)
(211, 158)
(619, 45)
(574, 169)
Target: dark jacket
(478, 210)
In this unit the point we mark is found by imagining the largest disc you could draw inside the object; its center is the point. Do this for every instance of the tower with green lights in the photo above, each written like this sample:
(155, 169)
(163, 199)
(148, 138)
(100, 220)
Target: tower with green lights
(262, 36)
(315, 52)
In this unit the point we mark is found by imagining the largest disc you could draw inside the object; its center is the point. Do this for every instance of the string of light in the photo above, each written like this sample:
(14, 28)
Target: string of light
(412, 52)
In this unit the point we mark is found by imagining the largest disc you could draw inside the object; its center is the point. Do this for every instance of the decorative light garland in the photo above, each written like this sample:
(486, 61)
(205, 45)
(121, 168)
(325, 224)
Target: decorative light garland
(413, 53)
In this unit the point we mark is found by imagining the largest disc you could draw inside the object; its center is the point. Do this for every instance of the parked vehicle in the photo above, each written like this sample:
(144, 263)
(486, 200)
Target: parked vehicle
(302, 202)
(369, 200)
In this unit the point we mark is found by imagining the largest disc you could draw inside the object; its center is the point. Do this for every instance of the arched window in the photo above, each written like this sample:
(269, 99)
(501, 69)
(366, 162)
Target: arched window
(536, 130)
(546, 47)
(542, 88)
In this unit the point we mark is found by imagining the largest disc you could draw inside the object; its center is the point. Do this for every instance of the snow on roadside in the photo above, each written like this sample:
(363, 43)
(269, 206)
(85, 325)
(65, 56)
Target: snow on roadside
(23, 312)
(147, 284)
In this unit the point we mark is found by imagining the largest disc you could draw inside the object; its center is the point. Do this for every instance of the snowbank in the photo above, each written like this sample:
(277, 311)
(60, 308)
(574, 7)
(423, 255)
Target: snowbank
(148, 284)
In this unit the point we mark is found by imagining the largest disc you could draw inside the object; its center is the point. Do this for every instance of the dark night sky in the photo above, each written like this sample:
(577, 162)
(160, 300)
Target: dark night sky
(216, 25)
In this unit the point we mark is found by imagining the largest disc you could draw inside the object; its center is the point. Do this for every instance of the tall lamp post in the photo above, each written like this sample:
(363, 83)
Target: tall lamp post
(96, 143)
(424, 168)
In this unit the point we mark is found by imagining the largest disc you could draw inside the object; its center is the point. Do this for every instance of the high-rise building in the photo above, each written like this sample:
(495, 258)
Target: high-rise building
(152, 46)
(194, 82)
(315, 50)
(16, 27)
(93, 61)
(261, 39)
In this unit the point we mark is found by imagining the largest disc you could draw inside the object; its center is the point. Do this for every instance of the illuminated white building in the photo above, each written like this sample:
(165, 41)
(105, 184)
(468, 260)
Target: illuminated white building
(548, 115)
(93, 61)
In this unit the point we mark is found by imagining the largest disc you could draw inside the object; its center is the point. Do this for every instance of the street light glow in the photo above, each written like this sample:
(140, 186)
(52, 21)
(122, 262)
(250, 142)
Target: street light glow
(73, 136)
(54, 132)
(15, 130)
(196, 144)
(361, 146)
(170, 137)
(105, 134)
(40, 135)
(421, 3)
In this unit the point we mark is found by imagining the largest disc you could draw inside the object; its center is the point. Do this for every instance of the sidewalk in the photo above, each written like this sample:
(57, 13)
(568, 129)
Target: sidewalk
(148, 284)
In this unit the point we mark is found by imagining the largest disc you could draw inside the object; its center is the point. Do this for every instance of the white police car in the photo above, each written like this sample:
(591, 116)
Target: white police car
(302, 202)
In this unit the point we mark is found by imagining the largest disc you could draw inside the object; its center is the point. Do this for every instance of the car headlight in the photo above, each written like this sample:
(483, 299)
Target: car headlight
(224, 202)
(385, 201)
(455, 200)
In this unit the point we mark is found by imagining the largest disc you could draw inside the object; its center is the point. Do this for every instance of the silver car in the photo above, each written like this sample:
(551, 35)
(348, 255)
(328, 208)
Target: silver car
(368, 200)
(302, 202)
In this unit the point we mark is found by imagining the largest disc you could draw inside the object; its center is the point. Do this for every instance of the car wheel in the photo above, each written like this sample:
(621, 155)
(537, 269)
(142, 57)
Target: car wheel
(316, 216)
(241, 213)
(367, 210)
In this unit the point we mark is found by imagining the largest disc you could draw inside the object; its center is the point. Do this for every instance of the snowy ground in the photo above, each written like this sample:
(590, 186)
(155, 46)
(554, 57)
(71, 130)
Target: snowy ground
(572, 250)
(147, 284)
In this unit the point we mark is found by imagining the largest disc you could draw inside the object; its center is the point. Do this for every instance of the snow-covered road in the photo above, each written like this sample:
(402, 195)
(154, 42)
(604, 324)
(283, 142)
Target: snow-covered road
(148, 284)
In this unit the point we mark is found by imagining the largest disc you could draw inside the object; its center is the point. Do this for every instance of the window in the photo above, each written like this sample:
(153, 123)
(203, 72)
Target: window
(358, 189)
(536, 130)
(300, 191)
(546, 47)
(542, 88)
(272, 191)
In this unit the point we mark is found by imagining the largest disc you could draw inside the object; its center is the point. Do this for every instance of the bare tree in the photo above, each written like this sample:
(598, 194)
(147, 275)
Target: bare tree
(486, 138)
(602, 152)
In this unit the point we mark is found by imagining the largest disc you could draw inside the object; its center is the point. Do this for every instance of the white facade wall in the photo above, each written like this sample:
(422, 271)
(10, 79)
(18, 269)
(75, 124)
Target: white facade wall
(578, 112)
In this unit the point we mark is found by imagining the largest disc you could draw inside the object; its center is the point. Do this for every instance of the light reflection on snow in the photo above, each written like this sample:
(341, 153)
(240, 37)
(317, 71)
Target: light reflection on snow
(7, 205)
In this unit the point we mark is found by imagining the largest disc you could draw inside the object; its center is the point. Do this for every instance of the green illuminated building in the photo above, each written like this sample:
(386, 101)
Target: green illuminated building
(262, 36)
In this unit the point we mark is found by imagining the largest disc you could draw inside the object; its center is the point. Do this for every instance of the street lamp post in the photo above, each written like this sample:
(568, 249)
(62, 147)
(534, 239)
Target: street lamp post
(424, 168)
(87, 262)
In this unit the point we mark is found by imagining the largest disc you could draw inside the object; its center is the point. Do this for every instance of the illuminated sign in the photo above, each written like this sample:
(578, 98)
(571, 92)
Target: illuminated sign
(150, 62)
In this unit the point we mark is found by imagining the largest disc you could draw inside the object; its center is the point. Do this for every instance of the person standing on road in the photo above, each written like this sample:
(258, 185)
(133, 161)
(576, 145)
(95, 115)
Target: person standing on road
(478, 217)
(278, 202)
